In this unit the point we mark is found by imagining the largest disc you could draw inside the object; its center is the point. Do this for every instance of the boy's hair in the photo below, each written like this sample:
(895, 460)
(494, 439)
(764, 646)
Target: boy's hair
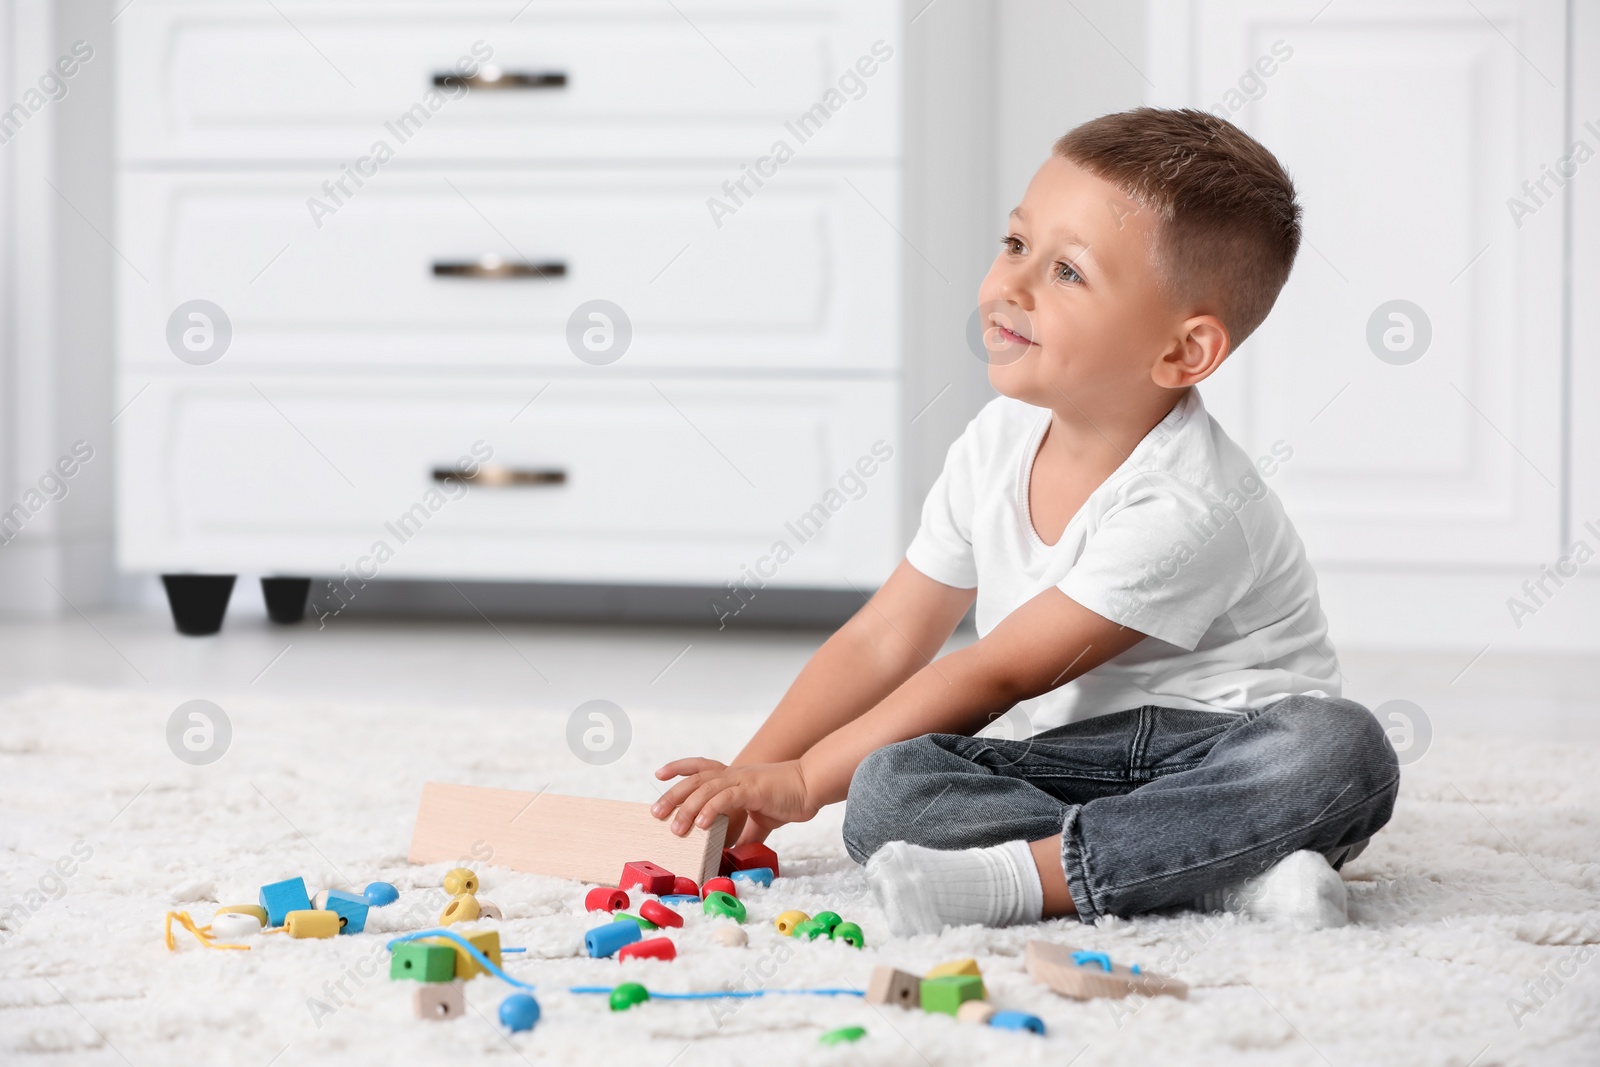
(1228, 226)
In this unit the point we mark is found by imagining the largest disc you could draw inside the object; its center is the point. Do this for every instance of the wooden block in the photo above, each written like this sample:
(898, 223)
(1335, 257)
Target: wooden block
(1054, 966)
(747, 857)
(947, 994)
(561, 836)
(944, 970)
(439, 1000)
(646, 876)
(485, 941)
(889, 986)
(976, 1011)
(422, 963)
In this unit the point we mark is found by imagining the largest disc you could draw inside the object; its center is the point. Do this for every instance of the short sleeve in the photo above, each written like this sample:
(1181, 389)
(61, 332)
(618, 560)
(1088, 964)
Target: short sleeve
(942, 547)
(1167, 562)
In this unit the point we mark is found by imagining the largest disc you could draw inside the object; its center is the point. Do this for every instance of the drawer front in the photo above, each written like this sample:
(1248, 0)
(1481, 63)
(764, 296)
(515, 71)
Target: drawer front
(602, 79)
(673, 482)
(803, 275)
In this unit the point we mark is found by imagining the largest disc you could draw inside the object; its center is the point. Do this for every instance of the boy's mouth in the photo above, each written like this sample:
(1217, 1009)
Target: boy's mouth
(1008, 336)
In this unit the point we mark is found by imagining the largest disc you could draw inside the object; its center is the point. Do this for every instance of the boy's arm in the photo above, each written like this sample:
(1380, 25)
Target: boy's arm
(898, 631)
(1043, 644)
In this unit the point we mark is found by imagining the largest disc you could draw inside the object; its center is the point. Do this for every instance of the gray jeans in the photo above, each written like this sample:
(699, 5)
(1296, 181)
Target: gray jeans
(1155, 806)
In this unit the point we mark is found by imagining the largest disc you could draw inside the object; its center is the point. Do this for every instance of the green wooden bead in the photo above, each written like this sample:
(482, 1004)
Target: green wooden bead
(423, 963)
(843, 1035)
(645, 925)
(809, 930)
(946, 994)
(627, 995)
(725, 904)
(849, 933)
(827, 919)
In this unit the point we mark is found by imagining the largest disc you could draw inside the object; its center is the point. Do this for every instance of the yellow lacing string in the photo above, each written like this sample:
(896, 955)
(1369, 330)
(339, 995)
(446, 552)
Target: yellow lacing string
(201, 933)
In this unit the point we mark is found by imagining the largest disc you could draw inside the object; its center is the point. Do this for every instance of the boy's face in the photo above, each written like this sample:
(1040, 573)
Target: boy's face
(1072, 310)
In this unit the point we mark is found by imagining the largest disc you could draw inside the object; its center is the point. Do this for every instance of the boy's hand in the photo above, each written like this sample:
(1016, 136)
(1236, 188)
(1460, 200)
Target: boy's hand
(771, 794)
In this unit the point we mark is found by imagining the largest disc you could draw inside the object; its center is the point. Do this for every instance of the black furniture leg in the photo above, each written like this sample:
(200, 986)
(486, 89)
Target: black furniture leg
(198, 601)
(286, 599)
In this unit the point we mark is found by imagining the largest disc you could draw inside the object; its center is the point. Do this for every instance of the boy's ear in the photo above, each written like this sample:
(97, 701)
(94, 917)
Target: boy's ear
(1198, 350)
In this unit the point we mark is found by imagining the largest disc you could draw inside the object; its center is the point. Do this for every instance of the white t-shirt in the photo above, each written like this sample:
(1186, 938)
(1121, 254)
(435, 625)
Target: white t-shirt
(1184, 542)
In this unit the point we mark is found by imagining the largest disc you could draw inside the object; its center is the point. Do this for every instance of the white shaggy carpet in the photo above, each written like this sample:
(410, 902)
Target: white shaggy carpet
(1486, 883)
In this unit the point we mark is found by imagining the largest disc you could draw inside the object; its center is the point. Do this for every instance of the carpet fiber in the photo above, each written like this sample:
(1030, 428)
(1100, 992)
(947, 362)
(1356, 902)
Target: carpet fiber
(1474, 941)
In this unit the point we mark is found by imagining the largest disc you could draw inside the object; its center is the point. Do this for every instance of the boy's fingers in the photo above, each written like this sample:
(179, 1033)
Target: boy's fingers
(689, 808)
(688, 765)
(675, 795)
(729, 798)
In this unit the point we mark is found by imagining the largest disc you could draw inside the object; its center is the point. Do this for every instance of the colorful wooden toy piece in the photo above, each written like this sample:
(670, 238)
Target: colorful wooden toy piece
(725, 904)
(232, 925)
(655, 948)
(460, 880)
(647, 876)
(604, 898)
(948, 993)
(685, 887)
(788, 921)
(422, 962)
(747, 857)
(246, 909)
(843, 1036)
(660, 914)
(519, 1012)
(1058, 967)
(1017, 1020)
(810, 930)
(488, 909)
(889, 986)
(312, 922)
(849, 933)
(827, 920)
(580, 838)
(730, 934)
(976, 1011)
(280, 898)
(439, 1001)
(485, 941)
(379, 894)
(761, 876)
(463, 908)
(351, 909)
(604, 940)
(719, 885)
(966, 966)
(645, 925)
(627, 995)
(680, 900)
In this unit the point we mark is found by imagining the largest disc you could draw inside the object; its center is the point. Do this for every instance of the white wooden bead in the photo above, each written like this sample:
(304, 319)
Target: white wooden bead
(232, 924)
(730, 934)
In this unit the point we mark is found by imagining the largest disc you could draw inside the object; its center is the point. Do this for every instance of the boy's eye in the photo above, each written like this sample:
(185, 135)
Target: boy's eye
(1012, 244)
(1068, 273)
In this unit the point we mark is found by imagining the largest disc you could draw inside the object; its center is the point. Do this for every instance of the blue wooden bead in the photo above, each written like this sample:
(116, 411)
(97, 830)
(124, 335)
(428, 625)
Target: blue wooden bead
(351, 907)
(605, 940)
(759, 875)
(380, 893)
(519, 1011)
(678, 900)
(280, 898)
(1017, 1020)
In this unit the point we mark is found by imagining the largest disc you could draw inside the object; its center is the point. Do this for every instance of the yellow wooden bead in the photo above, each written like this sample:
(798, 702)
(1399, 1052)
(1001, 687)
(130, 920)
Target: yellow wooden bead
(485, 941)
(313, 923)
(246, 909)
(953, 967)
(788, 921)
(460, 881)
(461, 909)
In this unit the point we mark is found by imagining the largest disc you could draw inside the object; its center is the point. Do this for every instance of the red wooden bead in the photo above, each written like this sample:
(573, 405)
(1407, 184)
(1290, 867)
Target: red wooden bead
(685, 886)
(604, 898)
(660, 914)
(647, 876)
(657, 948)
(720, 885)
(749, 856)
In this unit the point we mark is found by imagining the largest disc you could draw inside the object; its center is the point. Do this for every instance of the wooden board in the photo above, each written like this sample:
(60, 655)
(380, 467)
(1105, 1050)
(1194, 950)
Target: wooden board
(1052, 965)
(562, 836)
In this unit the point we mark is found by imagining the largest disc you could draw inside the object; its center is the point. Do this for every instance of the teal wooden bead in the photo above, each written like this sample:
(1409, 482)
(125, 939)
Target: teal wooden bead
(844, 1035)
(280, 898)
(1017, 1020)
(645, 925)
(725, 904)
(627, 995)
(351, 909)
(761, 876)
(519, 1012)
(604, 941)
(809, 930)
(849, 933)
(827, 920)
(679, 900)
(380, 893)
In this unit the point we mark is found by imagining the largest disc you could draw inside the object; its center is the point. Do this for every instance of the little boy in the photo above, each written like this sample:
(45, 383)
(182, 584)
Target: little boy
(1140, 593)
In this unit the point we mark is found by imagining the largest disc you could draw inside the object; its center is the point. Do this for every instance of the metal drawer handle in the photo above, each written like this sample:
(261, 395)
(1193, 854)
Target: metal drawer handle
(500, 477)
(493, 267)
(495, 78)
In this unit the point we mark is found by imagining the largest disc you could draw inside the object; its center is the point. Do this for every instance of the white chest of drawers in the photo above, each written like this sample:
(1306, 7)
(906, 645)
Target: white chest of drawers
(729, 175)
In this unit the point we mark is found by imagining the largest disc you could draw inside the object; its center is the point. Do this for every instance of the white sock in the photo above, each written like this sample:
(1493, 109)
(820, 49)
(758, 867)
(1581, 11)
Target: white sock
(923, 890)
(1301, 888)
